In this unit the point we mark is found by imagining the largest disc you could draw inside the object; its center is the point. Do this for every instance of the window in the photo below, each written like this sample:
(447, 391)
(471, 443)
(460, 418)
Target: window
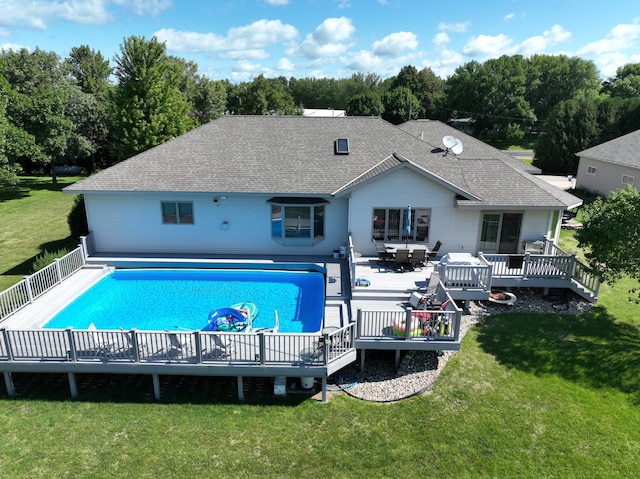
(297, 219)
(174, 213)
(389, 223)
(591, 170)
(628, 180)
(342, 146)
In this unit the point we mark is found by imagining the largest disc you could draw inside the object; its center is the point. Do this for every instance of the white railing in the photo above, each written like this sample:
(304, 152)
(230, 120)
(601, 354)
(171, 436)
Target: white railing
(466, 276)
(24, 292)
(193, 347)
(442, 324)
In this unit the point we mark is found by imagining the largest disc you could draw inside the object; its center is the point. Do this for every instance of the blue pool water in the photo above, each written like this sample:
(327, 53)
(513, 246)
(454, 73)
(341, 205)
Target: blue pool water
(182, 299)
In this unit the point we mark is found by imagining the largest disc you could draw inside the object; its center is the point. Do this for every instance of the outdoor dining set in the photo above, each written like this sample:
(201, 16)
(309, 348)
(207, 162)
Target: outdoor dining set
(405, 256)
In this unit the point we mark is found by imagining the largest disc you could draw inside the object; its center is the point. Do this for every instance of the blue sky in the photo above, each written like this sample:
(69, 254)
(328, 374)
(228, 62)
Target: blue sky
(240, 39)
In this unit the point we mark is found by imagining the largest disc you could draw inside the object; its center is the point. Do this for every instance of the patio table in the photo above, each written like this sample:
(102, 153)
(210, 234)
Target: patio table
(393, 247)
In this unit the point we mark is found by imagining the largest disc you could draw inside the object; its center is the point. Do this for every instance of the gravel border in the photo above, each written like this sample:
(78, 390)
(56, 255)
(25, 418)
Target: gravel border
(381, 383)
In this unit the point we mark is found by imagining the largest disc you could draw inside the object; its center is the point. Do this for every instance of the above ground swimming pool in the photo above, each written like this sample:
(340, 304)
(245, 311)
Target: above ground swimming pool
(179, 299)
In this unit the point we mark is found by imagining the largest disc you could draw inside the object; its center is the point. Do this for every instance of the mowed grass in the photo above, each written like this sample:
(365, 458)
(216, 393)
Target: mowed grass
(34, 219)
(528, 396)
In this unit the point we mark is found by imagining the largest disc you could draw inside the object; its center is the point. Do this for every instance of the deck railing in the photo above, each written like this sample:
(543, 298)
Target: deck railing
(24, 292)
(558, 265)
(466, 276)
(197, 347)
(442, 324)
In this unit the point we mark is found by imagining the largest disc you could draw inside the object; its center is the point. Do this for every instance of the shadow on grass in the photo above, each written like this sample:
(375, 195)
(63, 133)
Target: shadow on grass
(34, 183)
(26, 267)
(590, 349)
(138, 389)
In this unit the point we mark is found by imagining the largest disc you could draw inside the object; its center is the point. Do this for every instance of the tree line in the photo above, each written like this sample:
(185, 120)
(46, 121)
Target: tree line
(87, 111)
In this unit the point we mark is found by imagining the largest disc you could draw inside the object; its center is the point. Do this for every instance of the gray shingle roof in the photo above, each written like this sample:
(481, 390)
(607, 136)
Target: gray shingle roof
(295, 156)
(624, 150)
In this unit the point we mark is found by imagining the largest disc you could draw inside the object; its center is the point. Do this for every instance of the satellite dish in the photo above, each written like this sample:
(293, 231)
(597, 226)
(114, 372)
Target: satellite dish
(451, 143)
(457, 148)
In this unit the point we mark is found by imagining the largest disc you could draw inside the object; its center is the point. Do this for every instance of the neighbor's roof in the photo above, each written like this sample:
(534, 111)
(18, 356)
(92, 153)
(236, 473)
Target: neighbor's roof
(295, 156)
(624, 150)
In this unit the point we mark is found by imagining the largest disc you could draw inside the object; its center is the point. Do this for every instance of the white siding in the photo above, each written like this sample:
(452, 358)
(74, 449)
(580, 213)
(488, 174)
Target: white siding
(608, 176)
(132, 223)
(457, 229)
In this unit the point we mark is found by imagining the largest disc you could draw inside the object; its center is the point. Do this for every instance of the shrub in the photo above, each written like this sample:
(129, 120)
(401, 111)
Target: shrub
(77, 219)
(46, 258)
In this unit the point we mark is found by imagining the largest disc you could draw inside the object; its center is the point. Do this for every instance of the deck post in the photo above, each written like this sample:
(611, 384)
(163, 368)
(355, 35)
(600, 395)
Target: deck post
(362, 353)
(72, 345)
(8, 381)
(7, 344)
(27, 283)
(73, 386)
(196, 338)
(397, 360)
(58, 270)
(324, 388)
(156, 386)
(240, 388)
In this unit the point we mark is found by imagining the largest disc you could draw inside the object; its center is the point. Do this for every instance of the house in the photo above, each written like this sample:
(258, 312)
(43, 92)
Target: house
(611, 165)
(301, 185)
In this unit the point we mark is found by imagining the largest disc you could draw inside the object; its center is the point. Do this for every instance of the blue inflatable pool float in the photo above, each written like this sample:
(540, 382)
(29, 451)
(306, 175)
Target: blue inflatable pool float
(233, 319)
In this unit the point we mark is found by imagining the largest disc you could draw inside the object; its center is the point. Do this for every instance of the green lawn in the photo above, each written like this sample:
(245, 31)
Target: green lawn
(34, 219)
(528, 396)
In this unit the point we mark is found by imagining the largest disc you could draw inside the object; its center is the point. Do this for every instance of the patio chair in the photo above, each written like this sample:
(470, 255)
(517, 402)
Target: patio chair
(429, 291)
(434, 252)
(401, 260)
(384, 257)
(418, 258)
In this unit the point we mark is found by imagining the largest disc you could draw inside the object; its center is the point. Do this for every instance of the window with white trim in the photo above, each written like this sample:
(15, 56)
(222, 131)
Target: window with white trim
(389, 223)
(591, 170)
(628, 180)
(175, 212)
(297, 220)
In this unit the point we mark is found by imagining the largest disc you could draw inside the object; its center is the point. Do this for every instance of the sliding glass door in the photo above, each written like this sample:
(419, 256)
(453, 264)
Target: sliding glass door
(500, 233)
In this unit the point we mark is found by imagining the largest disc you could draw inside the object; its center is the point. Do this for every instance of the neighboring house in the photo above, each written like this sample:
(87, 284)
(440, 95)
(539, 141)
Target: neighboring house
(330, 112)
(611, 165)
(300, 185)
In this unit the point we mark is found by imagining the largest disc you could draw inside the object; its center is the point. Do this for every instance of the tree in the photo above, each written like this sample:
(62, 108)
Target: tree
(626, 83)
(90, 108)
(551, 79)
(610, 235)
(493, 95)
(365, 104)
(38, 104)
(149, 106)
(425, 85)
(265, 97)
(400, 105)
(8, 170)
(572, 126)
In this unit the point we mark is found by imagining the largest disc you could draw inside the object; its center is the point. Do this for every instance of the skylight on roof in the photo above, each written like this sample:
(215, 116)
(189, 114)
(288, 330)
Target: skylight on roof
(342, 146)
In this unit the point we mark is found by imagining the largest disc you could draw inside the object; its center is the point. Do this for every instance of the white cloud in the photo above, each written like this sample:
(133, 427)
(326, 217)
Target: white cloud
(540, 43)
(246, 55)
(365, 61)
(330, 39)
(284, 64)
(459, 27)
(12, 46)
(509, 16)
(440, 39)
(487, 45)
(39, 14)
(144, 7)
(278, 3)
(620, 37)
(392, 45)
(253, 37)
